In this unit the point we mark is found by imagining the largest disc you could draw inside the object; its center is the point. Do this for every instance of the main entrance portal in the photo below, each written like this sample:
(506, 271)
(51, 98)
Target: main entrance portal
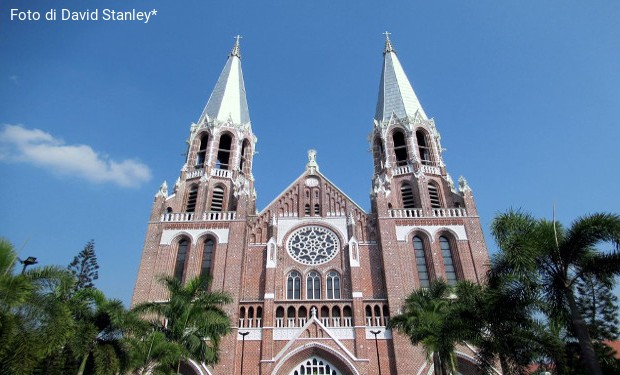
(315, 365)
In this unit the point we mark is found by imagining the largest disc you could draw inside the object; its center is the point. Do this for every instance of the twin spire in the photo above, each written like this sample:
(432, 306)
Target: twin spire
(396, 96)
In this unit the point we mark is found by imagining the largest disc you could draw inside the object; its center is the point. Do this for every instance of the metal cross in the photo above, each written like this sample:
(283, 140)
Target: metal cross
(387, 35)
(237, 38)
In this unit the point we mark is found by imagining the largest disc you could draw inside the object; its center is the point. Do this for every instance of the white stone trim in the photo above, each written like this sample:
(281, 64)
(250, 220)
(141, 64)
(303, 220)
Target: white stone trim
(270, 295)
(358, 295)
(168, 235)
(385, 334)
(256, 334)
(403, 231)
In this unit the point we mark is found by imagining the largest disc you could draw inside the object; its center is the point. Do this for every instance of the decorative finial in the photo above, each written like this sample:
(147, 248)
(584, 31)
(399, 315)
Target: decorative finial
(463, 186)
(312, 165)
(388, 43)
(236, 51)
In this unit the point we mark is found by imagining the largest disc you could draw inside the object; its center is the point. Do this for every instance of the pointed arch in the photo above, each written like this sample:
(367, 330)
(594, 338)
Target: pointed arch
(378, 153)
(313, 285)
(333, 285)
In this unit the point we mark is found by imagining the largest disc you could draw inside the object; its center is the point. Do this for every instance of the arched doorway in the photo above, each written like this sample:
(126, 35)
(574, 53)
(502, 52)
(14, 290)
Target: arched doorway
(315, 365)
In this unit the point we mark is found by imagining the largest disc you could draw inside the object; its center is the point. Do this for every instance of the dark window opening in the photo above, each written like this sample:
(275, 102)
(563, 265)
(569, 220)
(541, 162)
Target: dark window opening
(317, 210)
(307, 210)
(244, 163)
(202, 151)
(425, 151)
(400, 148)
(223, 152)
(207, 256)
(379, 154)
(313, 286)
(179, 267)
(293, 286)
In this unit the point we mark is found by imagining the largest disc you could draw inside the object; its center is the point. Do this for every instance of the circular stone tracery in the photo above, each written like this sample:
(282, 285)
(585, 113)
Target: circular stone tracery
(313, 245)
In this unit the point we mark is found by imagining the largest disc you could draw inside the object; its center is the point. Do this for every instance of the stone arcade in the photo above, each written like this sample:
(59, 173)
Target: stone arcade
(314, 277)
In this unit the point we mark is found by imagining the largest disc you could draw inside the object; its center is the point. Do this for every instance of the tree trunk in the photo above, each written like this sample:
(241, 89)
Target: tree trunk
(436, 364)
(581, 330)
(504, 364)
(83, 365)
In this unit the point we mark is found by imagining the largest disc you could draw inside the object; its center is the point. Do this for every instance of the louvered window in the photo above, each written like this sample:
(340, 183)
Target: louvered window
(217, 199)
(407, 195)
(433, 193)
(420, 261)
(317, 210)
(191, 199)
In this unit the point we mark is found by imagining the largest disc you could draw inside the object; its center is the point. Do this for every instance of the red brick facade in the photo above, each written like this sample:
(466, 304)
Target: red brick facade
(313, 275)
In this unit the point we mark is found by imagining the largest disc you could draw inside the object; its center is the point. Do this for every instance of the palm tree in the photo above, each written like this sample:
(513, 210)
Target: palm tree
(426, 320)
(192, 318)
(555, 259)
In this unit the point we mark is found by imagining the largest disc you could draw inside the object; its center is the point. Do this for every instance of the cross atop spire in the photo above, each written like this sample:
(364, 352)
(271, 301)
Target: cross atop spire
(236, 51)
(388, 43)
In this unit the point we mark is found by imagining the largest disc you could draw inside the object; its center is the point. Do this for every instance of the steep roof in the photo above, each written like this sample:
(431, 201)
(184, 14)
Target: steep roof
(396, 95)
(228, 101)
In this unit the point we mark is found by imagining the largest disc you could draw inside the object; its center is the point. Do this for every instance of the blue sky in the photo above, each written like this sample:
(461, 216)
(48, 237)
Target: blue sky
(94, 115)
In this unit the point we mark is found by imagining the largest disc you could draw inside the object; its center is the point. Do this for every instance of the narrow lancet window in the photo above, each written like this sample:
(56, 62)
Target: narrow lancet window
(192, 196)
(179, 267)
(207, 256)
(448, 263)
(244, 163)
(333, 285)
(420, 261)
(433, 194)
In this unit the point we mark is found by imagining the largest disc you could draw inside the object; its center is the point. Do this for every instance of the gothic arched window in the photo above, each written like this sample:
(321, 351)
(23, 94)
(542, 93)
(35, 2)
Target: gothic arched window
(217, 199)
(313, 285)
(333, 285)
(406, 194)
(433, 193)
(192, 197)
(378, 153)
(448, 262)
(202, 150)
(223, 151)
(179, 266)
(420, 261)
(423, 148)
(293, 285)
(207, 257)
(400, 147)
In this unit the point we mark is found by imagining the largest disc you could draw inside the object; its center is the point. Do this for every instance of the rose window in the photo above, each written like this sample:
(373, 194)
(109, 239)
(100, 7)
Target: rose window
(313, 245)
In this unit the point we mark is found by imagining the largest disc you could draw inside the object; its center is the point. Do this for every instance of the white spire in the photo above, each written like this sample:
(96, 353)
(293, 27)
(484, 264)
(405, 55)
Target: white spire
(396, 95)
(228, 101)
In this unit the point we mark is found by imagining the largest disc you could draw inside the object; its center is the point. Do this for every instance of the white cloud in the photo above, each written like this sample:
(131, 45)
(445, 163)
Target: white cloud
(36, 147)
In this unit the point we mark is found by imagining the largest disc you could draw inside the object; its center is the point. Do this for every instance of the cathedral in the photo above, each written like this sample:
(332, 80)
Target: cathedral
(314, 278)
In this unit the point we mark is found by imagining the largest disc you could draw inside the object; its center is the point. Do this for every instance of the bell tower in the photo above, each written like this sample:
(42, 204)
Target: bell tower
(217, 174)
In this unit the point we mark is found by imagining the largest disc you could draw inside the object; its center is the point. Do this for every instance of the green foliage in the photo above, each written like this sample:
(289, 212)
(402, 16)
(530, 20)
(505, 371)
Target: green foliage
(192, 319)
(599, 307)
(85, 267)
